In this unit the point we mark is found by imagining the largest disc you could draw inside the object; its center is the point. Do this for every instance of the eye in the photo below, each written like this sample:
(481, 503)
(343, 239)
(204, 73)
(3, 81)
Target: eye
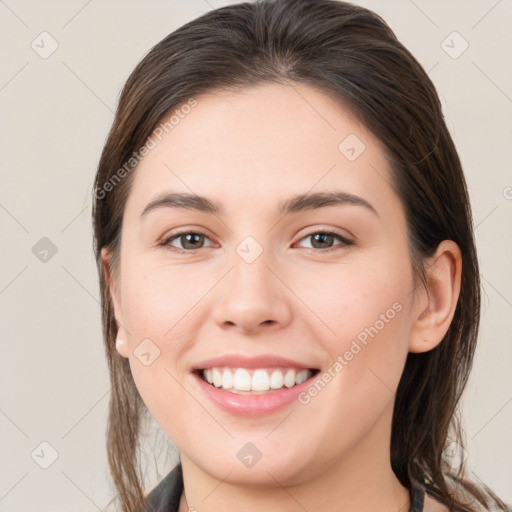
(323, 240)
(189, 240)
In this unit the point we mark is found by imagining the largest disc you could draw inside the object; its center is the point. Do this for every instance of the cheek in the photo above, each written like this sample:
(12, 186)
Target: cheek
(351, 298)
(369, 311)
(161, 304)
(158, 298)
(363, 320)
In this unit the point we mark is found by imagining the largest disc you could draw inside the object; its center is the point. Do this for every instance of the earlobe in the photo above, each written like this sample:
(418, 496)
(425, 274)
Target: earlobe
(121, 345)
(436, 305)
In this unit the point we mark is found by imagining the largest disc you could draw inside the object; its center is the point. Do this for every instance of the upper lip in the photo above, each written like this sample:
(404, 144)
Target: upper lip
(240, 361)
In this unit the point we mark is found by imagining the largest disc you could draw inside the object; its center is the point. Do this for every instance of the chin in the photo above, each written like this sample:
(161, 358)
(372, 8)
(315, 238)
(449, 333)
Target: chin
(272, 469)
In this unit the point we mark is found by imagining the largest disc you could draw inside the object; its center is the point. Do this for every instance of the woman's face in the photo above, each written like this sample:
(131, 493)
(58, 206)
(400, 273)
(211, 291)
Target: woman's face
(259, 280)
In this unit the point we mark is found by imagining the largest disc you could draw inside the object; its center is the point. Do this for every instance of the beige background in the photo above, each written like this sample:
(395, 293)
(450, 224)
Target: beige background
(56, 114)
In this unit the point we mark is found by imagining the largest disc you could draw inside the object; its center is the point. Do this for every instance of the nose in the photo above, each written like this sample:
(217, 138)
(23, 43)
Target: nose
(252, 297)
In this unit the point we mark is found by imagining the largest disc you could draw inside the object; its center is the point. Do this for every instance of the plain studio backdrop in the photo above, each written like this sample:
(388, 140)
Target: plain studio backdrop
(63, 66)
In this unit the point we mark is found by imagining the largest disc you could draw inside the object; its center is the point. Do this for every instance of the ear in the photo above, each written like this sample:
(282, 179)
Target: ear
(435, 304)
(115, 298)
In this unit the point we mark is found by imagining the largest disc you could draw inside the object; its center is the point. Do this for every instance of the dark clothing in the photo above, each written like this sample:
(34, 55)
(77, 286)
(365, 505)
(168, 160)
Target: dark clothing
(165, 497)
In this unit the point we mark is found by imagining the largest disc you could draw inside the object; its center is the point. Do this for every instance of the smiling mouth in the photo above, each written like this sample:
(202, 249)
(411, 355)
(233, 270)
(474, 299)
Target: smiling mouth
(255, 381)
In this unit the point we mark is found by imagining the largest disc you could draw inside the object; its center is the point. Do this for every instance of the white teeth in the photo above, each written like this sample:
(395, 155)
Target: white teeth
(217, 378)
(289, 378)
(227, 379)
(242, 380)
(302, 376)
(276, 379)
(261, 380)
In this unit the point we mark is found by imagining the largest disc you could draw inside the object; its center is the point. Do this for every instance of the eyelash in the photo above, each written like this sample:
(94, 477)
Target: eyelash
(344, 241)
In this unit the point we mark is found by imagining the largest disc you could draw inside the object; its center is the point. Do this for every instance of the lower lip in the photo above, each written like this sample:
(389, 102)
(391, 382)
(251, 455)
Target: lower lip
(252, 405)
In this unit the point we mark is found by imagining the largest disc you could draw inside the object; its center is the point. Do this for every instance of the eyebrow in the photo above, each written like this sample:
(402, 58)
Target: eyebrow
(294, 204)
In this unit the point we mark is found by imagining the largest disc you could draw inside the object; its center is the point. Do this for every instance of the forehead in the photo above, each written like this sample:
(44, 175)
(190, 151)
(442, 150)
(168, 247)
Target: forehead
(261, 144)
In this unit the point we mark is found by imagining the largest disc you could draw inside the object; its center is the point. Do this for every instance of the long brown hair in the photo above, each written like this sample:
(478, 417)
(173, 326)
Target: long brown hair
(351, 54)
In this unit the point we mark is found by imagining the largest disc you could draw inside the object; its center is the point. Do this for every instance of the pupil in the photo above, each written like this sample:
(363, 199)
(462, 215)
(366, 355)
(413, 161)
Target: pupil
(189, 236)
(324, 238)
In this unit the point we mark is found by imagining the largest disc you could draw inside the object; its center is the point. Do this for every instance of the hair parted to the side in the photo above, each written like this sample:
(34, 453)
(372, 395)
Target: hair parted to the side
(351, 54)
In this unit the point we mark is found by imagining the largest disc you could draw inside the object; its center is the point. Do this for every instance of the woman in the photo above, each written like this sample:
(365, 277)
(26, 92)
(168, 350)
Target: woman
(288, 270)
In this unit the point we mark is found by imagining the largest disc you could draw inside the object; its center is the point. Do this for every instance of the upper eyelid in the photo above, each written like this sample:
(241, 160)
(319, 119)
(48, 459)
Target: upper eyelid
(311, 230)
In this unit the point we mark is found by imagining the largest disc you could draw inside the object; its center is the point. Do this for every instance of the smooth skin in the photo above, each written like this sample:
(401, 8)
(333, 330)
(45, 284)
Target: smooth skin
(248, 150)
